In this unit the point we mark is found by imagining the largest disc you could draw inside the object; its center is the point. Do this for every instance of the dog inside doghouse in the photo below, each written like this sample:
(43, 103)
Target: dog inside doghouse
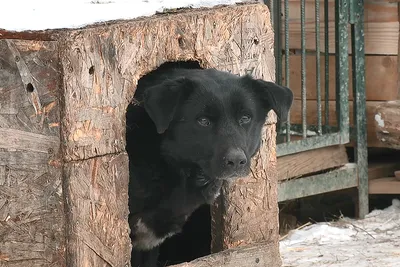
(188, 131)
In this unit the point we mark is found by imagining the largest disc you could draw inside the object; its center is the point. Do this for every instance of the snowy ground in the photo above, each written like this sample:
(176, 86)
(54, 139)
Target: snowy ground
(19, 15)
(374, 241)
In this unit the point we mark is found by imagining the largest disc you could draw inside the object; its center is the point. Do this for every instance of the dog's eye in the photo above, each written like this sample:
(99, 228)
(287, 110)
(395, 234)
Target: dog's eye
(245, 119)
(203, 121)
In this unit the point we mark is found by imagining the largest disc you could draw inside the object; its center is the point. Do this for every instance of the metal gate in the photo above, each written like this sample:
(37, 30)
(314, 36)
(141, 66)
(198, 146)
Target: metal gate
(348, 14)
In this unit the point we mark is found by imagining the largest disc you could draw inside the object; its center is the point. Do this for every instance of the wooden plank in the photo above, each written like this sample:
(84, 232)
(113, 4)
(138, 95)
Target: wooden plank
(32, 220)
(387, 123)
(380, 72)
(260, 254)
(381, 27)
(97, 210)
(96, 100)
(297, 165)
(382, 169)
(246, 212)
(295, 117)
(388, 185)
(338, 179)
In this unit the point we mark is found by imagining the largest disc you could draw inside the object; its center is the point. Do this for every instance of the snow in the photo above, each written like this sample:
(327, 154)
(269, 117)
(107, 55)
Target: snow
(373, 241)
(20, 15)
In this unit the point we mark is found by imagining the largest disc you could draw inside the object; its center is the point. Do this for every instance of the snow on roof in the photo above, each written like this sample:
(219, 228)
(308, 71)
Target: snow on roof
(373, 241)
(21, 15)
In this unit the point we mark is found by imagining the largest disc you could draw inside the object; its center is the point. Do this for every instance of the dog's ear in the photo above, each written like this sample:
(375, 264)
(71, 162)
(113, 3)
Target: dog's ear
(162, 100)
(273, 96)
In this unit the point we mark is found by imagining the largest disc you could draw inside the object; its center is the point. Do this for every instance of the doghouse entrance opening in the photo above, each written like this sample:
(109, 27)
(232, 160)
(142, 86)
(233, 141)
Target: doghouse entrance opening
(195, 239)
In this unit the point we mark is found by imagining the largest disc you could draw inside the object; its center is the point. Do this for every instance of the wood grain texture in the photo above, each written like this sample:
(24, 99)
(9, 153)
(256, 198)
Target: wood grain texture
(387, 124)
(88, 175)
(387, 168)
(261, 254)
(381, 77)
(247, 210)
(308, 162)
(32, 222)
(381, 27)
(96, 193)
(385, 185)
(236, 38)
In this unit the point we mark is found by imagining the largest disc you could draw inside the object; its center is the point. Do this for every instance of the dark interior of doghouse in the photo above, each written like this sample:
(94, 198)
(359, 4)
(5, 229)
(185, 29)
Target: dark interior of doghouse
(195, 239)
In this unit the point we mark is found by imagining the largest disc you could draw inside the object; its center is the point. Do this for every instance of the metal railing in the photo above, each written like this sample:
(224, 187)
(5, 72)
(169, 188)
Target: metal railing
(323, 133)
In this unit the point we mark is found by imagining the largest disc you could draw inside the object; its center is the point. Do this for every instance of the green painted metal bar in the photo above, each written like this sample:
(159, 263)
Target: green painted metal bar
(358, 62)
(287, 69)
(342, 67)
(344, 177)
(303, 67)
(278, 40)
(308, 144)
(326, 24)
(318, 66)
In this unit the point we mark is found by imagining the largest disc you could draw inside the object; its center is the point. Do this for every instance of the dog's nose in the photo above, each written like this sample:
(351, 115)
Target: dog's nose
(235, 158)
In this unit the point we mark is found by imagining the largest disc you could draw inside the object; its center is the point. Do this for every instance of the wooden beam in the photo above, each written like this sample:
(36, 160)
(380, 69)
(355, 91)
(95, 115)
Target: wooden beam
(382, 169)
(261, 254)
(295, 117)
(381, 27)
(312, 161)
(380, 72)
(388, 185)
(387, 123)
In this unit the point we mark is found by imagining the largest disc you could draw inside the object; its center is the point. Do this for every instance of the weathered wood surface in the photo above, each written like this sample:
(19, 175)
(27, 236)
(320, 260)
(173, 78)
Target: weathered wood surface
(387, 123)
(31, 204)
(247, 211)
(102, 65)
(386, 168)
(97, 196)
(384, 185)
(308, 162)
(261, 254)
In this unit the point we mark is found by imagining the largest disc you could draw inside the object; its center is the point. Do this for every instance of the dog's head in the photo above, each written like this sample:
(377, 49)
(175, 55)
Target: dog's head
(213, 119)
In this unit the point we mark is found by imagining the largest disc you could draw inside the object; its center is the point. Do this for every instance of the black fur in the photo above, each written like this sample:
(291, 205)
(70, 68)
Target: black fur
(187, 132)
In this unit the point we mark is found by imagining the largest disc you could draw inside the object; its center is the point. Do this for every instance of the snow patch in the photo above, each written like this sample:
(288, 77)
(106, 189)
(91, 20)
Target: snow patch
(373, 241)
(378, 119)
(22, 15)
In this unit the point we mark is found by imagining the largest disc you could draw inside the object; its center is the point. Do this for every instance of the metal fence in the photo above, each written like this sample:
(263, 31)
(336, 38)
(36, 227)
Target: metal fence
(348, 14)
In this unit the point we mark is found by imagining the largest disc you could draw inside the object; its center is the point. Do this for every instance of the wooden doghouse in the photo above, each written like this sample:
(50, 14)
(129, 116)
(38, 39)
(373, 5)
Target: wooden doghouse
(63, 165)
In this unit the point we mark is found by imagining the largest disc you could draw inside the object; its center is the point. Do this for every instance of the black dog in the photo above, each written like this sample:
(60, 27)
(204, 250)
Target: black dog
(189, 130)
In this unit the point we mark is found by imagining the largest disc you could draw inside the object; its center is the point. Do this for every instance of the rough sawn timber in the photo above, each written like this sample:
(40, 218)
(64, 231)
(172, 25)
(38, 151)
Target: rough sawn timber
(63, 166)
(259, 254)
(102, 65)
(32, 224)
